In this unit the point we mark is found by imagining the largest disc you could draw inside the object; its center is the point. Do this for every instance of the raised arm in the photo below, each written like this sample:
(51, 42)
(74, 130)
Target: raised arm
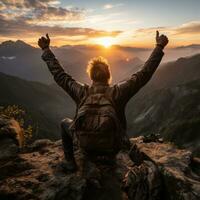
(64, 80)
(137, 80)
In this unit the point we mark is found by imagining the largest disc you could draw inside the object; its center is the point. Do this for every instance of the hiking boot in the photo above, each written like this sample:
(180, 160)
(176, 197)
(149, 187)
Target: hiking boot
(94, 183)
(69, 165)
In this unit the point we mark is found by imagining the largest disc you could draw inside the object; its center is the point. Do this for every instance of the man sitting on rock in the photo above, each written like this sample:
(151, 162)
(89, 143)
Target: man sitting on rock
(100, 123)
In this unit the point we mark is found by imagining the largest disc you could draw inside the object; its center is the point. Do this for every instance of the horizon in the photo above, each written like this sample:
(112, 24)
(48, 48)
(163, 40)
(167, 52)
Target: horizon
(101, 45)
(103, 22)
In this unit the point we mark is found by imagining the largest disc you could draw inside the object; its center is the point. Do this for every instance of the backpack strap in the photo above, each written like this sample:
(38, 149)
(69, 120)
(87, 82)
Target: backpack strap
(84, 98)
(94, 89)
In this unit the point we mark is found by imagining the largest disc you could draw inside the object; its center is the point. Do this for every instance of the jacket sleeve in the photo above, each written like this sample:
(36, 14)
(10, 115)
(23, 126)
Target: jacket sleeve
(73, 88)
(126, 89)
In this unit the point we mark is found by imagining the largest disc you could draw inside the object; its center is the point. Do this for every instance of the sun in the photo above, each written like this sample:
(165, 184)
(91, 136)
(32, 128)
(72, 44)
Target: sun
(105, 41)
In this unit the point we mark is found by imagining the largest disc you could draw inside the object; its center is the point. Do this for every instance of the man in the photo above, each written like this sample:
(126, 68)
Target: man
(96, 103)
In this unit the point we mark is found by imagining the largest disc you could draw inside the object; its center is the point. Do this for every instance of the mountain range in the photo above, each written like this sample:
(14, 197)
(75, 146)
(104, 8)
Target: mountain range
(47, 105)
(172, 112)
(168, 104)
(23, 60)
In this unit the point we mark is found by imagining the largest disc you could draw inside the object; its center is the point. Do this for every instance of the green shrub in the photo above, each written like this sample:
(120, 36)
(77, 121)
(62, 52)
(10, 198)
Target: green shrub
(20, 115)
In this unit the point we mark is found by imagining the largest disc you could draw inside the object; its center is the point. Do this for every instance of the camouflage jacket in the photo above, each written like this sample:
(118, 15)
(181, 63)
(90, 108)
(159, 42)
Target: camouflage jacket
(120, 92)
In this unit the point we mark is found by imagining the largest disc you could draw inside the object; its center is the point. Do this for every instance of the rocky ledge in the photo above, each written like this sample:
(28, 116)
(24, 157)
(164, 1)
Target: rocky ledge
(151, 170)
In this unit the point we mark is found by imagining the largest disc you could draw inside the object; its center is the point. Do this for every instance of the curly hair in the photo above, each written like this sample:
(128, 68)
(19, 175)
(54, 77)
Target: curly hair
(98, 70)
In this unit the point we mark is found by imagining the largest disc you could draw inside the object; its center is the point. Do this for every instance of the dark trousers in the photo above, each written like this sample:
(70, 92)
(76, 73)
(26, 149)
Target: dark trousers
(67, 138)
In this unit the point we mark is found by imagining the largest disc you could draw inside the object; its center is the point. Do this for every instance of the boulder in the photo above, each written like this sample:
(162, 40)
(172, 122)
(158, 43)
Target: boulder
(10, 128)
(11, 138)
(150, 171)
(8, 149)
(178, 169)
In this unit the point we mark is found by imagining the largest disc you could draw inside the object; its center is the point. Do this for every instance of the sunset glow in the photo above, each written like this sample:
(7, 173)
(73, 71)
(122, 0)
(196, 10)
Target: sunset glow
(105, 41)
(81, 22)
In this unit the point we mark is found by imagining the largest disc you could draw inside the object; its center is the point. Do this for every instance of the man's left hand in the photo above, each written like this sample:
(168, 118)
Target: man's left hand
(44, 42)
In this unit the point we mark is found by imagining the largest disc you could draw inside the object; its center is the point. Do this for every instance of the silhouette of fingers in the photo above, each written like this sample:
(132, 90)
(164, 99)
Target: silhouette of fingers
(47, 35)
(157, 34)
(39, 42)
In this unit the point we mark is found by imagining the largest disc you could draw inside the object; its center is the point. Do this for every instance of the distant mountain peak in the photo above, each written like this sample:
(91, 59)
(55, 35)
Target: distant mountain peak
(7, 43)
(15, 44)
(191, 46)
(21, 42)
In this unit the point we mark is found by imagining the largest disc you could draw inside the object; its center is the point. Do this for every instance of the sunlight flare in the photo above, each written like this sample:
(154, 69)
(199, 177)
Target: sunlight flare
(105, 41)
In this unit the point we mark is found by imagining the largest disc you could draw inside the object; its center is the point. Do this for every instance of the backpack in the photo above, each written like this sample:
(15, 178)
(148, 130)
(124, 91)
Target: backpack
(96, 124)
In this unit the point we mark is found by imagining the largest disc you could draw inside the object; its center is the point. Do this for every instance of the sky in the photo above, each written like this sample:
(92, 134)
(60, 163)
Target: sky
(105, 22)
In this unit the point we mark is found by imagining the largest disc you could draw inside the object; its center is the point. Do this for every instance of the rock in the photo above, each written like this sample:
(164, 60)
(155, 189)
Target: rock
(11, 138)
(143, 182)
(40, 177)
(151, 171)
(176, 166)
(39, 145)
(8, 149)
(10, 128)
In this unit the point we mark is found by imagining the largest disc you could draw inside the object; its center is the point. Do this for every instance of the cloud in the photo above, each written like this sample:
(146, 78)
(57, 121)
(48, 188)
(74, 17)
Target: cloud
(41, 10)
(192, 27)
(109, 6)
(20, 27)
(183, 34)
(27, 3)
(31, 18)
(152, 30)
(52, 3)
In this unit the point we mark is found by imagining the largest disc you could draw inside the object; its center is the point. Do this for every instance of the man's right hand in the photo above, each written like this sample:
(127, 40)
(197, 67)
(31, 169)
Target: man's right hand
(44, 42)
(161, 40)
